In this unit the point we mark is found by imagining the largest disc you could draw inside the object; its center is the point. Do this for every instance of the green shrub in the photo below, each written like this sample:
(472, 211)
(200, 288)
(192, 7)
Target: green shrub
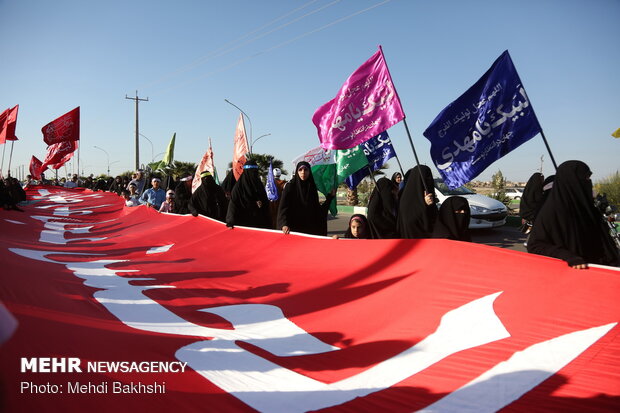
(611, 187)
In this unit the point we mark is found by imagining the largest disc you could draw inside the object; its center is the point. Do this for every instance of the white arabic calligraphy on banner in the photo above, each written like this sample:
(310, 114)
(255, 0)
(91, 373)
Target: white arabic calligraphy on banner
(483, 128)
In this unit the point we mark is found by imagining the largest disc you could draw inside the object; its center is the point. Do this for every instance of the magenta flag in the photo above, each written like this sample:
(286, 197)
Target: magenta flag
(366, 105)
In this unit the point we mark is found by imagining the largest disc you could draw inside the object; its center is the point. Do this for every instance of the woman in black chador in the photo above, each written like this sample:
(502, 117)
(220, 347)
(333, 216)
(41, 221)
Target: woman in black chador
(300, 210)
(382, 209)
(453, 220)
(568, 226)
(249, 206)
(209, 199)
(417, 211)
(532, 201)
(228, 183)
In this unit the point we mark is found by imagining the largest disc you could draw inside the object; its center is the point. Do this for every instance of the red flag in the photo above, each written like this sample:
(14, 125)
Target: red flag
(35, 167)
(206, 164)
(65, 128)
(240, 148)
(58, 154)
(366, 105)
(399, 328)
(8, 121)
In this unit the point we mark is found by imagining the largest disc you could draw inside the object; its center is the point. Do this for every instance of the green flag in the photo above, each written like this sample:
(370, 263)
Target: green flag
(167, 161)
(331, 168)
(215, 177)
(323, 165)
(349, 161)
(169, 156)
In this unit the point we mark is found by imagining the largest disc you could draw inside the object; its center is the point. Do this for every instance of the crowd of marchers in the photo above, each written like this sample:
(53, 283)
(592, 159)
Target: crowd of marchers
(558, 213)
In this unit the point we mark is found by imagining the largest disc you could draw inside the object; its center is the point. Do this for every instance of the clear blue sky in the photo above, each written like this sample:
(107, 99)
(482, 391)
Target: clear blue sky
(280, 60)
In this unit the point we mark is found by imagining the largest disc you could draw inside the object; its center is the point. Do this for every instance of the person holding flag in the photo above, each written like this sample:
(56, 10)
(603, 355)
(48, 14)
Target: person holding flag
(300, 209)
(417, 211)
(248, 204)
(209, 199)
(382, 207)
(274, 188)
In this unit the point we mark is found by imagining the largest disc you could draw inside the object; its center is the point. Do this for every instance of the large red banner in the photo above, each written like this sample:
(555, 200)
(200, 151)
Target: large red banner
(111, 308)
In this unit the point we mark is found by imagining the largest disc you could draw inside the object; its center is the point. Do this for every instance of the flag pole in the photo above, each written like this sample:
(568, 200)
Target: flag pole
(415, 154)
(548, 149)
(10, 157)
(399, 165)
(3, 151)
(542, 134)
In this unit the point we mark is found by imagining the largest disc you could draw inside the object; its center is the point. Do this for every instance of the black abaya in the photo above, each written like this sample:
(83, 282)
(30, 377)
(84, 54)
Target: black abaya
(569, 226)
(382, 210)
(415, 218)
(300, 209)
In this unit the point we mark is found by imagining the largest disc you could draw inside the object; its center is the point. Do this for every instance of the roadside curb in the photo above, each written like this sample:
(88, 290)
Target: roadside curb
(345, 209)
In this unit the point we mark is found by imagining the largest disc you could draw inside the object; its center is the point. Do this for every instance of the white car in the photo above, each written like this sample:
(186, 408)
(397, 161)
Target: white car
(485, 212)
(514, 193)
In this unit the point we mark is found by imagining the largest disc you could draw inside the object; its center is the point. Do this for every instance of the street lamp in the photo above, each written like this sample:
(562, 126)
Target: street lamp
(246, 115)
(107, 155)
(111, 165)
(152, 157)
(253, 142)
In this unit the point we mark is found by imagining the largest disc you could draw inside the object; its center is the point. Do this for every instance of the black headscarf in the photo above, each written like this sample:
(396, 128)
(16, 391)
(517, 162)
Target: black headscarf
(229, 182)
(568, 225)
(452, 225)
(416, 219)
(183, 194)
(532, 198)
(300, 209)
(248, 192)
(382, 209)
(208, 199)
(365, 232)
(117, 185)
(547, 187)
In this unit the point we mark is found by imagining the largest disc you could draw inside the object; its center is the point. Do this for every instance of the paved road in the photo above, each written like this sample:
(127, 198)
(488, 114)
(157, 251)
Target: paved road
(503, 237)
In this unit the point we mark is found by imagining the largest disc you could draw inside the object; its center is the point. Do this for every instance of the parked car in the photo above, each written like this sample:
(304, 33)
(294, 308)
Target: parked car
(514, 193)
(485, 212)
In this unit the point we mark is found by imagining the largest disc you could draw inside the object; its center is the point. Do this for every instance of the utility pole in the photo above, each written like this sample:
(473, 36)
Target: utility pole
(541, 163)
(137, 99)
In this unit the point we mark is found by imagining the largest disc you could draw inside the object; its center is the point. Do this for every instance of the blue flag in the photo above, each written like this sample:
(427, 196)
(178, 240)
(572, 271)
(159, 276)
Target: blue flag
(270, 187)
(489, 120)
(378, 150)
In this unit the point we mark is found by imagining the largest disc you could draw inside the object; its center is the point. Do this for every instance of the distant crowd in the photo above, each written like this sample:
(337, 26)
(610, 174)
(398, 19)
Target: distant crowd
(559, 213)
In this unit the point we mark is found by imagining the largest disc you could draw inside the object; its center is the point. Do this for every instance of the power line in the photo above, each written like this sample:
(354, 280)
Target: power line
(227, 49)
(294, 39)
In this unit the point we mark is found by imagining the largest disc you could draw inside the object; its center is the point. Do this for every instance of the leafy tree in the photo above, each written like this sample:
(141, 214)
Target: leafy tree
(262, 160)
(499, 186)
(181, 168)
(611, 187)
